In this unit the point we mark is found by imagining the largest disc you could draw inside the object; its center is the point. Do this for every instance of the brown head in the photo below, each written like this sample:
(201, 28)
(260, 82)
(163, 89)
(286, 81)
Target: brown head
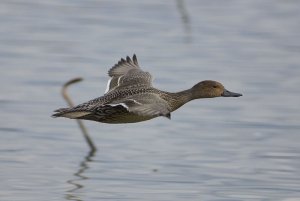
(211, 89)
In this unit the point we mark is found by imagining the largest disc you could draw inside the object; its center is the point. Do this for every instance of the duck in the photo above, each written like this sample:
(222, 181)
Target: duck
(130, 97)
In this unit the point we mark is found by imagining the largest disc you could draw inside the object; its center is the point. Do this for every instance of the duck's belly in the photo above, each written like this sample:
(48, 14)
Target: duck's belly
(129, 118)
(119, 118)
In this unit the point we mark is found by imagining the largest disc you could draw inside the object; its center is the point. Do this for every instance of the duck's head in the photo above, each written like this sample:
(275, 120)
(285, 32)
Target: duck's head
(211, 89)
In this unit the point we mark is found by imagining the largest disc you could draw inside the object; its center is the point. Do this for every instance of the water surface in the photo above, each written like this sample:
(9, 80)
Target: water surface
(225, 149)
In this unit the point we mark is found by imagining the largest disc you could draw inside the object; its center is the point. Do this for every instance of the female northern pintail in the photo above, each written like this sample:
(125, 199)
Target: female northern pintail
(130, 97)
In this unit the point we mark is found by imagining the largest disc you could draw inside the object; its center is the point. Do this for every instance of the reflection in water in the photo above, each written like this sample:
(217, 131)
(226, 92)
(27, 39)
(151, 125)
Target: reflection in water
(185, 19)
(70, 195)
(79, 174)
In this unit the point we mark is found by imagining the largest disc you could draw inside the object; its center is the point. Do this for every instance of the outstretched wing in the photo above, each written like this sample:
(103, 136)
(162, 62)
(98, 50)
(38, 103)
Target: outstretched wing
(127, 73)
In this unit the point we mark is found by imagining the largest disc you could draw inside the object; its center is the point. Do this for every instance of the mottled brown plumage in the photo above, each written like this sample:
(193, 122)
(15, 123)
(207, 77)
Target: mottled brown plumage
(130, 97)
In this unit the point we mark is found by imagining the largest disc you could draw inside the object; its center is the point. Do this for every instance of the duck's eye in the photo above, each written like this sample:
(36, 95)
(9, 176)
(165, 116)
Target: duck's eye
(215, 86)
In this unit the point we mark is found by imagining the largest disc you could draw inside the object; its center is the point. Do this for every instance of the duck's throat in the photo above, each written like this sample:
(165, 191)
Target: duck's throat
(176, 100)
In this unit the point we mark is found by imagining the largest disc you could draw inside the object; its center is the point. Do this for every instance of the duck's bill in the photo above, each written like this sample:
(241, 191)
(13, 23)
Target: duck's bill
(227, 93)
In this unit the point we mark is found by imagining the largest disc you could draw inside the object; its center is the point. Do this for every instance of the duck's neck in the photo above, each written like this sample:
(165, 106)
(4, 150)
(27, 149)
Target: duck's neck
(176, 100)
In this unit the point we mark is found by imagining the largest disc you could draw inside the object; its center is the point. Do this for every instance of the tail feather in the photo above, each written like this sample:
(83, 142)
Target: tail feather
(70, 113)
(61, 110)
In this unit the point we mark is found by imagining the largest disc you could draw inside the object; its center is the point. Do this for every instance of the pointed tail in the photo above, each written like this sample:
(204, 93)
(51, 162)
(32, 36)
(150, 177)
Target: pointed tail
(70, 113)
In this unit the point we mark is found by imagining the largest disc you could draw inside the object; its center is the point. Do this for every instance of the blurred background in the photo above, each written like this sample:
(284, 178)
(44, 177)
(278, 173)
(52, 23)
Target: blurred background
(221, 149)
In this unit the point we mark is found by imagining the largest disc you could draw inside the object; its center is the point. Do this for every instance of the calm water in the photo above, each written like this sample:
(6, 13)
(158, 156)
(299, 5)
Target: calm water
(219, 149)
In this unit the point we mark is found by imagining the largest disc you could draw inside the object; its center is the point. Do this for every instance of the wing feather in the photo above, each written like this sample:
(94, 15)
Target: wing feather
(127, 73)
(146, 105)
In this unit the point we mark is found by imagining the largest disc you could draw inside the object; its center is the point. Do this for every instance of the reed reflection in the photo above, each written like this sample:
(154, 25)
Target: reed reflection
(83, 166)
(185, 18)
(72, 194)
